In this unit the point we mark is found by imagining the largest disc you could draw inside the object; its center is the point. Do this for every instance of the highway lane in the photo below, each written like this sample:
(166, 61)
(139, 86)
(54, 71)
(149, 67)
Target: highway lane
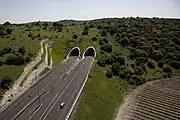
(11, 111)
(64, 87)
(47, 100)
(71, 93)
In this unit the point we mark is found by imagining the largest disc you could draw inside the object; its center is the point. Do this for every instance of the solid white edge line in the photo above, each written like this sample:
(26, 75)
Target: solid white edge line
(69, 113)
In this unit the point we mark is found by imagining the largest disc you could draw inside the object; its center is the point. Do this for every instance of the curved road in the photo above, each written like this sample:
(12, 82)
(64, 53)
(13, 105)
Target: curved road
(42, 101)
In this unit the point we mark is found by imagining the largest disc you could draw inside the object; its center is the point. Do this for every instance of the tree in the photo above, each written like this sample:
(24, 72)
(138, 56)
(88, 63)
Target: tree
(101, 61)
(175, 64)
(6, 23)
(139, 70)
(151, 64)
(94, 39)
(109, 74)
(115, 68)
(85, 32)
(105, 40)
(15, 59)
(8, 31)
(91, 25)
(136, 80)
(2, 31)
(107, 48)
(103, 33)
(7, 50)
(167, 69)
(122, 74)
(6, 82)
(55, 24)
(28, 57)
(117, 57)
(157, 55)
(75, 36)
(160, 63)
(30, 34)
(124, 41)
(99, 26)
(101, 42)
(86, 28)
(22, 50)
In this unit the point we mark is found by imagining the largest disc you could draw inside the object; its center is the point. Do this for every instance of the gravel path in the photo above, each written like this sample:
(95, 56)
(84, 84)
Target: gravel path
(16, 90)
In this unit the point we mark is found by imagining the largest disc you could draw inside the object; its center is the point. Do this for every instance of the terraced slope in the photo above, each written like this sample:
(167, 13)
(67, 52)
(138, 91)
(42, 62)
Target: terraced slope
(158, 100)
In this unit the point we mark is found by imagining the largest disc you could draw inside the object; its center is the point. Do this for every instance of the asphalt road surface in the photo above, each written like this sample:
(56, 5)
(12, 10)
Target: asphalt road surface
(42, 101)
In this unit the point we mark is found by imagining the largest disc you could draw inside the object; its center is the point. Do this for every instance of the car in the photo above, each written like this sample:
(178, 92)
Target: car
(62, 105)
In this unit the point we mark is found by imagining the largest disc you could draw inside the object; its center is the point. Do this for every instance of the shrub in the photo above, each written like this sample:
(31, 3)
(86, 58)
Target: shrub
(167, 69)
(109, 74)
(86, 28)
(115, 68)
(124, 41)
(136, 80)
(139, 70)
(151, 64)
(15, 59)
(94, 39)
(160, 63)
(60, 29)
(101, 42)
(175, 64)
(105, 40)
(22, 50)
(157, 55)
(30, 34)
(85, 32)
(107, 48)
(75, 36)
(103, 33)
(6, 83)
(7, 23)
(122, 74)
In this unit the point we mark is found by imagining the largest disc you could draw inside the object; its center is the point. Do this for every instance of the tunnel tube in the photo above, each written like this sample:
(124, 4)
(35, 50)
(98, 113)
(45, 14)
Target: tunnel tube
(74, 52)
(90, 51)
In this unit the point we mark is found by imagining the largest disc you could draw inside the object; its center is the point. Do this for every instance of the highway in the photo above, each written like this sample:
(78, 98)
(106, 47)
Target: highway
(42, 101)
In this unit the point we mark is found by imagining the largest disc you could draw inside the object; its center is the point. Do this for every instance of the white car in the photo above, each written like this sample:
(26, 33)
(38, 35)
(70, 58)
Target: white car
(62, 105)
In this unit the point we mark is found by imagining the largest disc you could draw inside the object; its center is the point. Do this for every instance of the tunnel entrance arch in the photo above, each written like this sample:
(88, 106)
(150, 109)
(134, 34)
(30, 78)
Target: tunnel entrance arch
(90, 51)
(74, 52)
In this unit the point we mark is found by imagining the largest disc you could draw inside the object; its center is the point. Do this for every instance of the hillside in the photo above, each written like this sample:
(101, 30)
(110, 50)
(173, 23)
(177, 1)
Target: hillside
(153, 100)
(130, 52)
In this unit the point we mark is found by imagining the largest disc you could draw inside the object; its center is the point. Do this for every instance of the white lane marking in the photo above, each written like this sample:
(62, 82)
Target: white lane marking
(41, 89)
(28, 105)
(35, 112)
(69, 100)
(48, 106)
(68, 115)
(61, 95)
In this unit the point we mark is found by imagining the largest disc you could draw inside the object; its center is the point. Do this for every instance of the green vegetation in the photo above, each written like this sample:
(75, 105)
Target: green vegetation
(130, 52)
(100, 97)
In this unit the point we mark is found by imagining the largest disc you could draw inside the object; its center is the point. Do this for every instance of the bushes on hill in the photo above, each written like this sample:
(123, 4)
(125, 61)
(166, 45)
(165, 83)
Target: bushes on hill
(109, 74)
(107, 48)
(6, 83)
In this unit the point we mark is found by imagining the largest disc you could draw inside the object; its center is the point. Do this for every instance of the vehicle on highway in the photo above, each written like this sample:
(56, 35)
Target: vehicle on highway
(62, 105)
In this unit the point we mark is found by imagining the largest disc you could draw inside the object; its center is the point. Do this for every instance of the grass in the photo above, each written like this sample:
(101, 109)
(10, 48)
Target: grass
(101, 96)
(12, 71)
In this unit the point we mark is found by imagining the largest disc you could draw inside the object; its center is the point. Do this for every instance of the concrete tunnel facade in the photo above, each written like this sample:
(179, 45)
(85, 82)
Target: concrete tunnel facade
(90, 51)
(74, 52)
